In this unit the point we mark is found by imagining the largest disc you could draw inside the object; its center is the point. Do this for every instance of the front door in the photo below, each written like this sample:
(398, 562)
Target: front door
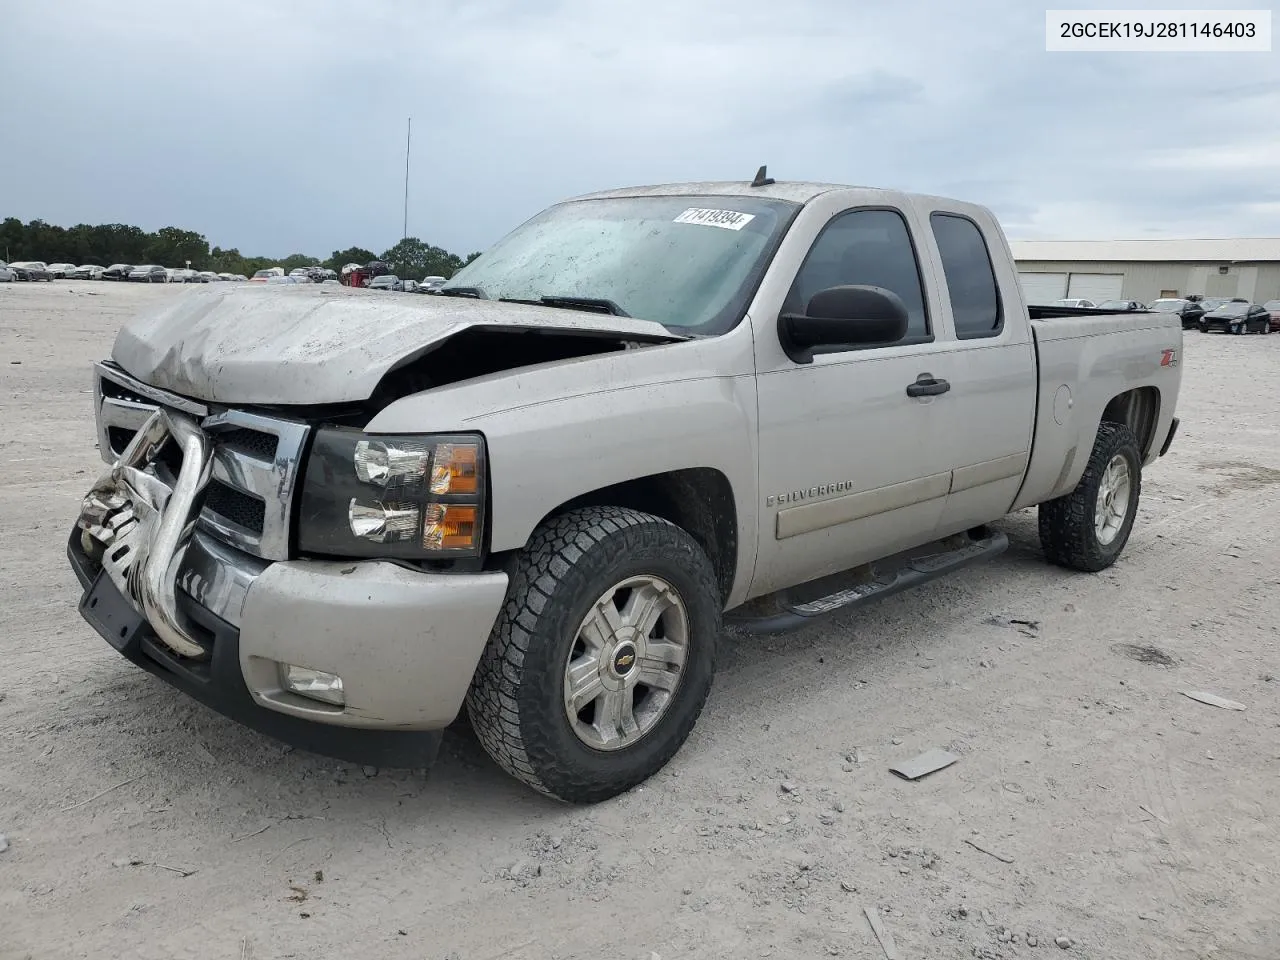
(851, 467)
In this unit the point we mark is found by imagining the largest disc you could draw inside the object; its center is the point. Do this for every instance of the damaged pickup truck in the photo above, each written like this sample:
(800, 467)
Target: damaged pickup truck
(644, 414)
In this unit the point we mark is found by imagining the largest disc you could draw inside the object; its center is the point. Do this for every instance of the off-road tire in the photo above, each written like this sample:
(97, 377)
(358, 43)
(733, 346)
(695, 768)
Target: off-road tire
(516, 697)
(1067, 532)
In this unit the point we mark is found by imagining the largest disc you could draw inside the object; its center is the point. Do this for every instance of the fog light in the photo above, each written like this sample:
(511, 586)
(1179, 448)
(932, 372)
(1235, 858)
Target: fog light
(313, 684)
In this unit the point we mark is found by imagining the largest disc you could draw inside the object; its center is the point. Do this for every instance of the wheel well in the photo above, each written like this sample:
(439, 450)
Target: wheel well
(698, 500)
(1139, 410)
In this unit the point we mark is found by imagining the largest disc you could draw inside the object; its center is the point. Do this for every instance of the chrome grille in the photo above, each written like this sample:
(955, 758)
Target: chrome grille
(255, 460)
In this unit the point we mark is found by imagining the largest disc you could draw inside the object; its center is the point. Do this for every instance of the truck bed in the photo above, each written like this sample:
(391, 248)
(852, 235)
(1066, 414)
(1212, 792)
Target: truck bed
(1085, 359)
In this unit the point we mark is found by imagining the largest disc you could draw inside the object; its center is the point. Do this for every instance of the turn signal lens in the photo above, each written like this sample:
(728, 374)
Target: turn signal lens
(382, 522)
(454, 468)
(450, 526)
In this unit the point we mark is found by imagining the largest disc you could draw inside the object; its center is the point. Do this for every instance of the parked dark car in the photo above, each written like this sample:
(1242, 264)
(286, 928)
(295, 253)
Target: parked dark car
(149, 273)
(1273, 311)
(387, 281)
(1237, 317)
(1121, 306)
(1189, 311)
(117, 271)
(1213, 303)
(31, 270)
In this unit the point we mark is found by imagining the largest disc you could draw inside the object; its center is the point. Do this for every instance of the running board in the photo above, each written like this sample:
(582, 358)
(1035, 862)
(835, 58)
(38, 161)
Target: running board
(800, 606)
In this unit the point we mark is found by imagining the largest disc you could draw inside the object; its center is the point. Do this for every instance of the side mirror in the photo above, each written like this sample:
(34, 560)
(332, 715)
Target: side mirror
(846, 316)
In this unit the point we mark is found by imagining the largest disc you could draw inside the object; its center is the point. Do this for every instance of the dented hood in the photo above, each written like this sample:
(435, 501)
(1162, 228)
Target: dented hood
(312, 344)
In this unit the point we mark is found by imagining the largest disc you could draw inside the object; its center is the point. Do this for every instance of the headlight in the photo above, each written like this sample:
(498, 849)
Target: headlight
(412, 497)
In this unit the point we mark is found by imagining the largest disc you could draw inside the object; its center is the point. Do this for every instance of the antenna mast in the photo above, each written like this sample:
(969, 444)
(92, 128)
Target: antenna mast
(407, 139)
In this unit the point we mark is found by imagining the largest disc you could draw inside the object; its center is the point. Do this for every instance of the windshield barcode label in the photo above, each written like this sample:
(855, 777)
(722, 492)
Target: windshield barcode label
(728, 219)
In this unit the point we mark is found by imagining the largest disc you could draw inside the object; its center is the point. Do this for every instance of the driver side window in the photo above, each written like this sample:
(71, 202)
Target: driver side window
(871, 247)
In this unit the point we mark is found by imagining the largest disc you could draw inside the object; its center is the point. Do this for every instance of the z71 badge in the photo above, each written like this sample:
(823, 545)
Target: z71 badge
(1169, 358)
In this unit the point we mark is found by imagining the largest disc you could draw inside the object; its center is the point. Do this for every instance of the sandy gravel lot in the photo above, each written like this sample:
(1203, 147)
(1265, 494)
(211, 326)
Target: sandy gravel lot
(1130, 819)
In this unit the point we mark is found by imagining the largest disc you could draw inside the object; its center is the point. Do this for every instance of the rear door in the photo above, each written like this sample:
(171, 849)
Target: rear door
(1043, 289)
(1096, 286)
(989, 413)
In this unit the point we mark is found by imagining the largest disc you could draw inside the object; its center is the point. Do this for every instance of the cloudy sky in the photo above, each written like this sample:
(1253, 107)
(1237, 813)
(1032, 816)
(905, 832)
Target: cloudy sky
(278, 126)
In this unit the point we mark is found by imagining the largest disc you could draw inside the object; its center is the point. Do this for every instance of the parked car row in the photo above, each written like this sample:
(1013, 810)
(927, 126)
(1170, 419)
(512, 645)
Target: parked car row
(138, 273)
(26, 270)
(389, 281)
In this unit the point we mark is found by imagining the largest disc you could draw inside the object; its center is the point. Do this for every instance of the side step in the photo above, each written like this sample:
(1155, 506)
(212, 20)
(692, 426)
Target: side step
(801, 605)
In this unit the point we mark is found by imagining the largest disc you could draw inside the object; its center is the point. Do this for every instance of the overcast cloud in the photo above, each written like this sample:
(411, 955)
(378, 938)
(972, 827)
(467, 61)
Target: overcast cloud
(278, 126)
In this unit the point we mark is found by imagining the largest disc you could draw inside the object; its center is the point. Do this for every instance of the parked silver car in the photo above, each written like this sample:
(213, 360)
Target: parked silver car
(87, 271)
(7, 275)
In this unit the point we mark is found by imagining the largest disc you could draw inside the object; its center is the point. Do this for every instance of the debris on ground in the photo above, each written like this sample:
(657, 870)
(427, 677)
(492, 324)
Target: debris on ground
(4, 843)
(926, 763)
(1147, 810)
(878, 928)
(1003, 858)
(299, 893)
(1066, 943)
(1145, 653)
(1213, 700)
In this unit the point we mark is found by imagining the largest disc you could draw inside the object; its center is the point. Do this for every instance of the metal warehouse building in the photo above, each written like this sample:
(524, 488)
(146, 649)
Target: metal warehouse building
(1146, 270)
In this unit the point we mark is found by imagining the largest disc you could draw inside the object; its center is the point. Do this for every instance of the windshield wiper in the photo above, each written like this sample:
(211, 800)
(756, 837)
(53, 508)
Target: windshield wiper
(475, 293)
(591, 304)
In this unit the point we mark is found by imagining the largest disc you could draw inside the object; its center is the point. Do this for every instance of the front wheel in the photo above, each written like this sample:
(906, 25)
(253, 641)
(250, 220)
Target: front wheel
(1239, 329)
(602, 657)
(1088, 528)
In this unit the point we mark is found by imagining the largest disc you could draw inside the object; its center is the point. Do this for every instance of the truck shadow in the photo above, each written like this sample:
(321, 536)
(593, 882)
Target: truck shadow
(237, 780)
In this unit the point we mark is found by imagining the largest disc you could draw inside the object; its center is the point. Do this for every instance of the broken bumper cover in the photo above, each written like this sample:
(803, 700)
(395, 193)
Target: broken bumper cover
(221, 625)
(404, 643)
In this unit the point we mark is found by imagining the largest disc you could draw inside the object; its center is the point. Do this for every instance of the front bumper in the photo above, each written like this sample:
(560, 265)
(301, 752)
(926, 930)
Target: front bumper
(217, 623)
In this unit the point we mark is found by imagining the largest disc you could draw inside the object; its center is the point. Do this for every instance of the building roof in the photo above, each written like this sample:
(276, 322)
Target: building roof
(1243, 250)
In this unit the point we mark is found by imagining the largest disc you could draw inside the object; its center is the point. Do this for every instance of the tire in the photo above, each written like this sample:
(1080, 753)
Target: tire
(1069, 526)
(570, 569)
(1240, 329)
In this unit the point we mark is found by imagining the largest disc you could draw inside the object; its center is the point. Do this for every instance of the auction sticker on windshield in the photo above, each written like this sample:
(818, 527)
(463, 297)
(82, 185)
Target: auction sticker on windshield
(728, 219)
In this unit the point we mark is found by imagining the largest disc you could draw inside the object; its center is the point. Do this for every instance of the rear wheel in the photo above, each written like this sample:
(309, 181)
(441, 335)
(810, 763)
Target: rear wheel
(1089, 527)
(602, 657)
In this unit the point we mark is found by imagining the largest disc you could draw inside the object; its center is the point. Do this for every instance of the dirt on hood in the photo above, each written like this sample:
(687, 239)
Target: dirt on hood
(302, 345)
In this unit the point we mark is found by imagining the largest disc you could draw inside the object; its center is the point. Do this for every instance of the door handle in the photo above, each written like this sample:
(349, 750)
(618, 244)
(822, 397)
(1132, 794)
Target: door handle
(927, 386)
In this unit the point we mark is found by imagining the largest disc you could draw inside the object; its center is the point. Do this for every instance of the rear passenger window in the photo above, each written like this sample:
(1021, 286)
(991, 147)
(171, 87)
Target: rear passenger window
(971, 280)
(870, 247)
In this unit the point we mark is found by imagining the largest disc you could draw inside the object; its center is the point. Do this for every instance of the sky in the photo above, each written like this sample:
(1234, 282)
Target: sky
(278, 126)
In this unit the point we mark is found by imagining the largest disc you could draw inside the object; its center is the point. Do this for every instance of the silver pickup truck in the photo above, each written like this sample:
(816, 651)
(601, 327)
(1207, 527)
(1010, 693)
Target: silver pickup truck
(642, 416)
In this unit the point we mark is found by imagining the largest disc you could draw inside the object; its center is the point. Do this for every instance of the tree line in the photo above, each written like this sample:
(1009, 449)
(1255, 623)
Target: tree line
(108, 243)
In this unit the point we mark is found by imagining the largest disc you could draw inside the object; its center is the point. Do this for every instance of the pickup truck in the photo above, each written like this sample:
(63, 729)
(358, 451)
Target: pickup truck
(642, 417)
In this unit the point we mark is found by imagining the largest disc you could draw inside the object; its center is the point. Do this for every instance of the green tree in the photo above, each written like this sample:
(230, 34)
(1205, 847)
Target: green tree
(173, 247)
(295, 260)
(413, 258)
(471, 256)
(340, 258)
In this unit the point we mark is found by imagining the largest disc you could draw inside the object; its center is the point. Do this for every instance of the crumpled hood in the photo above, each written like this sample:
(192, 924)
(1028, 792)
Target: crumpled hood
(286, 344)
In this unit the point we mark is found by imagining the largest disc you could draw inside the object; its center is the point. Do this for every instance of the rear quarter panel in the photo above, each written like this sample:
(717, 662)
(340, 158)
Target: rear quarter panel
(1084, 363)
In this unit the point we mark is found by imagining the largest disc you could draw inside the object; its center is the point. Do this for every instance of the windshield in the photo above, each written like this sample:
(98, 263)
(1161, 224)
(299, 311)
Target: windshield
(689, 262)
(1166, 306)
(1233, 309)
(1272, 305)
(264, 273)
(1114, 305)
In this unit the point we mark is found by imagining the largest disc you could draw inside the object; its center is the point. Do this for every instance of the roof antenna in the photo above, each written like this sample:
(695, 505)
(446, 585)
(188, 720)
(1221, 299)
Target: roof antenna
(762, 179)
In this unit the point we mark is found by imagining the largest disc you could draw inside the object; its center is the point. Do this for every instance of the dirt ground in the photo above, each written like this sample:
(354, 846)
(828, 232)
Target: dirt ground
(1126, 817)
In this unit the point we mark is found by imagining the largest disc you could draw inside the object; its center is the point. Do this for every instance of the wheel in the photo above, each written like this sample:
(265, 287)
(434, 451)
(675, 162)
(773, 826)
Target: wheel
(603, 654)
(1238, 329)
(1088, 528)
